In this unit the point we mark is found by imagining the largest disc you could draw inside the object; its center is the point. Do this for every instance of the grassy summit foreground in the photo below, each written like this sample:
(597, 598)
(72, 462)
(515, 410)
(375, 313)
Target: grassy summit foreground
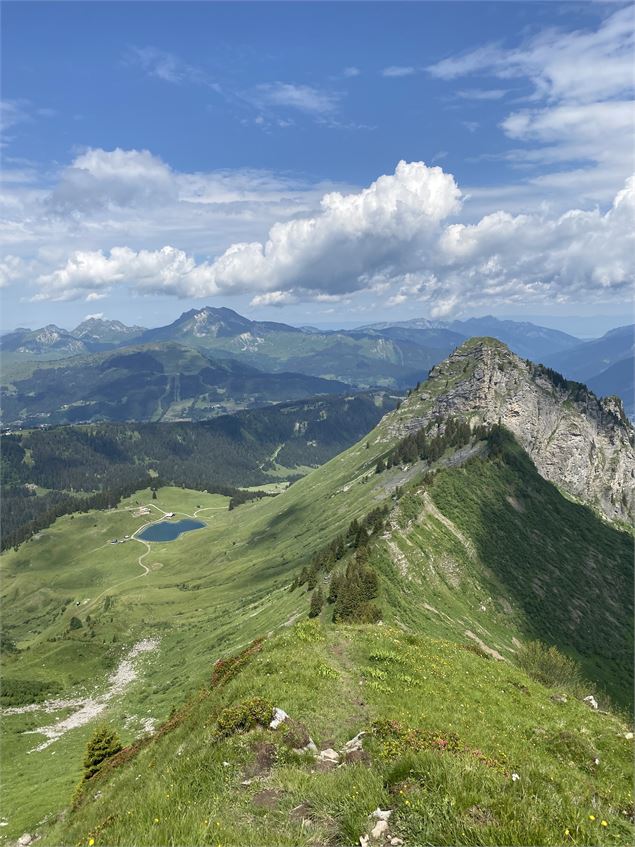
(461, 748)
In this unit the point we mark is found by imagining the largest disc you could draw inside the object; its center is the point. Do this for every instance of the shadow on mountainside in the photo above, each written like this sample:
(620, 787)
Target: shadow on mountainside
(569, 571)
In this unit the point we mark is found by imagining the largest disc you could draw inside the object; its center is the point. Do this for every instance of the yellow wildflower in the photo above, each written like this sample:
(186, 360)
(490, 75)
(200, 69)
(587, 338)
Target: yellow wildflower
(591, 817)
(91, 841)
(604, 823)
(566, 832)
(156, 820)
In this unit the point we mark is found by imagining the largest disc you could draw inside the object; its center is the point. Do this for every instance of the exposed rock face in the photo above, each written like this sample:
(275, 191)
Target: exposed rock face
(581, 443)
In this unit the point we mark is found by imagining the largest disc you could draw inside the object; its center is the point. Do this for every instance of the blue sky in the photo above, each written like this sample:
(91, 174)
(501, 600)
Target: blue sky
(144, 141)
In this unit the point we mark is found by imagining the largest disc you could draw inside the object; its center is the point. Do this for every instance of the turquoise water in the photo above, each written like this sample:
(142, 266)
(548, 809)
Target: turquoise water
(168, 530)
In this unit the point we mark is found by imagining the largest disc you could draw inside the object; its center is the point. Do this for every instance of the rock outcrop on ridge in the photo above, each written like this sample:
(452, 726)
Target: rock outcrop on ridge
(580, 442)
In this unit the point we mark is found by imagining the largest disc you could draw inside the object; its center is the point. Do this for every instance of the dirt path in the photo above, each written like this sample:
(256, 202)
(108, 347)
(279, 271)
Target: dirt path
(208, 509)
(431, 509)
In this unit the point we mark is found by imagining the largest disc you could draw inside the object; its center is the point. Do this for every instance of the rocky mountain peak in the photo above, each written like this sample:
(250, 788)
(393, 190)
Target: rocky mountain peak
(580, 442)
(103, 330)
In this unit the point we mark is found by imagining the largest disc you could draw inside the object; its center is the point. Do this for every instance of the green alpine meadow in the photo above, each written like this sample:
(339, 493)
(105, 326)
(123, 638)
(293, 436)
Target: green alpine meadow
(317, 423)
(423, 640)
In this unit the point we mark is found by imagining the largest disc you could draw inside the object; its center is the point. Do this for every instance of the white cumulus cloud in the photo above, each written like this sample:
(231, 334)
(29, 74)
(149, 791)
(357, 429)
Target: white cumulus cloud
(396, 238)
(99, 178)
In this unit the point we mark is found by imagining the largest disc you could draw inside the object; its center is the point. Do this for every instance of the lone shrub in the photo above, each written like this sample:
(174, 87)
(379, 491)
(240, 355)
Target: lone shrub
(256, 711)
(75, 623)
(549, 666)
(103, 744)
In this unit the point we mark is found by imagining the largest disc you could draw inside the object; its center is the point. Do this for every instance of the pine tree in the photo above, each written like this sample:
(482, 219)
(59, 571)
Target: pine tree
(317, 601)
(340, 547)
(352, 531)
(334, 587)
(103, 744)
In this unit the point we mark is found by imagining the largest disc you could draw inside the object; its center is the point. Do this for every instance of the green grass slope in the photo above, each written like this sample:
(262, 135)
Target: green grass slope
(216, 589)
(461, 749)
(471, 562)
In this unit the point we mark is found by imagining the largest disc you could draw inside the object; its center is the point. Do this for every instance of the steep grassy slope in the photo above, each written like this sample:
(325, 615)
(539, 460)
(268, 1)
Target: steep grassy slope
(462, 749)
(217, 588)
(500, 550)
(472, 561)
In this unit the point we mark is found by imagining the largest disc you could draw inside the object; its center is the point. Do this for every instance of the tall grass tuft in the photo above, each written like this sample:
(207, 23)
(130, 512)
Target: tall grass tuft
(548, 665)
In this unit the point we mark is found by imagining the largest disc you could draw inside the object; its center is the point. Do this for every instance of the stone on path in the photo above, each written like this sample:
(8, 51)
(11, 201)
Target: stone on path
(379, 830)
(329, 755)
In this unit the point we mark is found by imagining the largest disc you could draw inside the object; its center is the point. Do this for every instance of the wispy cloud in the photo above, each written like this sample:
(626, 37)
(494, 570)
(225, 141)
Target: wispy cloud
(582, 65)
(579, 111)
(168, 67)
(398, 70)
(20, 111)
(351, 72)
(481, 93)
(303, 98)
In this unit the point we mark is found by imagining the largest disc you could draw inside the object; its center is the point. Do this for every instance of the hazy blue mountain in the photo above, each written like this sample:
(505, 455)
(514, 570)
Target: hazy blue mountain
(525, 339)
(48, 341)
(435, 338)
(149, 383)
(618, 379)
(51, 341)
(588, 359)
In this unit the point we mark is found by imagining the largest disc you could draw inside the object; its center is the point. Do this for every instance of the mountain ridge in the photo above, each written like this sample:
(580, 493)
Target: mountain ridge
(457, 546)
(575, 439)
(382, 355)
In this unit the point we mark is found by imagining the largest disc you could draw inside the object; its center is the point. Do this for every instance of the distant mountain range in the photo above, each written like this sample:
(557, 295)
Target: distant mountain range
(150, 383)
(92, 335)
(606, 364)
(393, 355)
(525, 339)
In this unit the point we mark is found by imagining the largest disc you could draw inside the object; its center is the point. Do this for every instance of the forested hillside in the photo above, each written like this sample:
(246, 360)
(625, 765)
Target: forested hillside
(152, 382)
(50, 472)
